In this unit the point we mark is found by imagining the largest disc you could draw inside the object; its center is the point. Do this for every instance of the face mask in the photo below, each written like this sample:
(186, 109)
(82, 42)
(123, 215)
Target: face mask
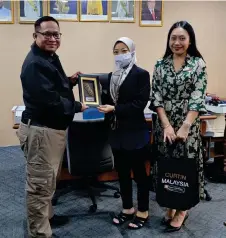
(123, 60)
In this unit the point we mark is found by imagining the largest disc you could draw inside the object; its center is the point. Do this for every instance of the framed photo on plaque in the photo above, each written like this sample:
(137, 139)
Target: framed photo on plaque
(89, 90)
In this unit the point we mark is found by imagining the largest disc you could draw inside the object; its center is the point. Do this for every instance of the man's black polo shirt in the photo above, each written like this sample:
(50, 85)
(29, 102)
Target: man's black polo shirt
(47, 91)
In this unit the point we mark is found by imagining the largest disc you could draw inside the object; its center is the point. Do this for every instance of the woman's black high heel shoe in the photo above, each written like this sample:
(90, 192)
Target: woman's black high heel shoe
(170, 228)
(122, 218)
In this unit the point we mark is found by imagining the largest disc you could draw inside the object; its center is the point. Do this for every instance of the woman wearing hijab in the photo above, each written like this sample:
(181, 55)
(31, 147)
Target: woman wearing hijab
(127, 97)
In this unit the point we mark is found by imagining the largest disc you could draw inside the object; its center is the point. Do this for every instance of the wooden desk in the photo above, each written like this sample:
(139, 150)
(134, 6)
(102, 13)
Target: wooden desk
(149, 120)
(112, 176)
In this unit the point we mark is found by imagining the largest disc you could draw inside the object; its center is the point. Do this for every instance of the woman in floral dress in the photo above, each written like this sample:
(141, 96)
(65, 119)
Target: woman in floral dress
(178, 97)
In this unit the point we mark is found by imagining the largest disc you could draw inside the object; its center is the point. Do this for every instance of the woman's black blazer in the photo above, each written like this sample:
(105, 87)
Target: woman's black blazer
(134, 95)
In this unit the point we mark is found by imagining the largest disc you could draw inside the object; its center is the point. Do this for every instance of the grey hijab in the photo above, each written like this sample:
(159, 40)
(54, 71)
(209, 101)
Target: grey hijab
(119, 74)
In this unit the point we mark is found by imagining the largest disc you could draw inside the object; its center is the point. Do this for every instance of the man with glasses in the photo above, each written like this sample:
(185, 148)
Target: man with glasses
(50, 108)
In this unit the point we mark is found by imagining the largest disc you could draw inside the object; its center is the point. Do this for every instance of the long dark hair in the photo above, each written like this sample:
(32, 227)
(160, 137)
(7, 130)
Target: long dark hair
(192, 49)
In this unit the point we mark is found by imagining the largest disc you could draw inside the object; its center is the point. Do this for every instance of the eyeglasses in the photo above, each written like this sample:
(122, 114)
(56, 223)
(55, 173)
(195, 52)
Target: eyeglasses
(48, 35)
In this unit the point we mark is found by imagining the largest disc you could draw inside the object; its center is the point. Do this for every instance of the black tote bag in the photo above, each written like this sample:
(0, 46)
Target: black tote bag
(177, 185)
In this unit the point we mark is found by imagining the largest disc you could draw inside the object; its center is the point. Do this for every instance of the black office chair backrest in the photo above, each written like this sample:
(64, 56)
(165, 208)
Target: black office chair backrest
(103, 78)
(88, 151)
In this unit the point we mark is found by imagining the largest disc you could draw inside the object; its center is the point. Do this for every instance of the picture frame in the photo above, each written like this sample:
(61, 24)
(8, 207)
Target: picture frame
(30, 11)
(63, 10)
(151, 13)
(94, 10)
(122, 11)
(89, 90)
(7, 12)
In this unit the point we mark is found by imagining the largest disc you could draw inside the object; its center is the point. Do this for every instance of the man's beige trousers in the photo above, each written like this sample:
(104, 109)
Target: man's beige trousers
(43, 149)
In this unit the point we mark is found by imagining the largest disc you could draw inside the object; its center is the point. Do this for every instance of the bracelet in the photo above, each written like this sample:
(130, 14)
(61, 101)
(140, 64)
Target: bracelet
(164, 127)
(187, 123)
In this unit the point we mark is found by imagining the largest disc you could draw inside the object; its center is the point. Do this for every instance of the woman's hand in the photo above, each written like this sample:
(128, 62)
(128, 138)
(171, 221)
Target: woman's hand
(182, 133)
(106, 108)
(169, 134)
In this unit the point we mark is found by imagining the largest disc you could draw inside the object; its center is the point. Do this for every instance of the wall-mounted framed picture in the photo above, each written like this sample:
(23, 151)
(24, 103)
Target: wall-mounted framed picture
(94, 11)
(6, 11)
(30, 10)
(63, 10)
(122, 11)
(151, 13)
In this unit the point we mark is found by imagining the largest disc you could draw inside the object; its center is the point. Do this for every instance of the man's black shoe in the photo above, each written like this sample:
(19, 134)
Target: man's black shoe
(58, 220)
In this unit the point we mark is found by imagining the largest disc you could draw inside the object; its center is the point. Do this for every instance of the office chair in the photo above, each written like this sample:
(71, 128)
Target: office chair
(89, 154)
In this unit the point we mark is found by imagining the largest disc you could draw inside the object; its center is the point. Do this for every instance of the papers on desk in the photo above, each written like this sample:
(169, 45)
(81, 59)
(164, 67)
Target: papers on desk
(216, 126)
(147, 112)
(17, 114)
(221, 108)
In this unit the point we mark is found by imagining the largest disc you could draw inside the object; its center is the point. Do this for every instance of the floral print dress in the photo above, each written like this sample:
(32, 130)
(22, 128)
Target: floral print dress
(178, 93)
